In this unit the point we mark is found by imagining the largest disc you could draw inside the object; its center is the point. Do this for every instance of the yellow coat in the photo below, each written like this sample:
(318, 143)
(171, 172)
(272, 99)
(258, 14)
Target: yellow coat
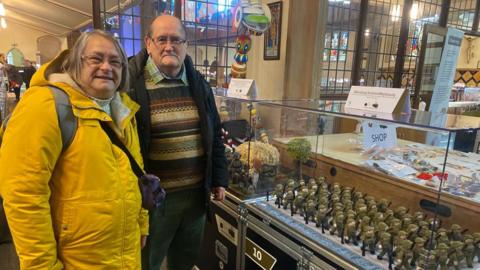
(77, 209)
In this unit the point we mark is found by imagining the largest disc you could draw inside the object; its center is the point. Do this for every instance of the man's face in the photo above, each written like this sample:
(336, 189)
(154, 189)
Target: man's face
(101, 68)
(166, 45)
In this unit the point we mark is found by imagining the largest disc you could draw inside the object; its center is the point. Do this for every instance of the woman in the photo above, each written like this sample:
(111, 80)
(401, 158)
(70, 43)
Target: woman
(77, 208)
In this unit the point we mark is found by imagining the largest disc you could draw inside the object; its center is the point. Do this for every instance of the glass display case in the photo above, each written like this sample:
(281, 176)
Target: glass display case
(352, 189)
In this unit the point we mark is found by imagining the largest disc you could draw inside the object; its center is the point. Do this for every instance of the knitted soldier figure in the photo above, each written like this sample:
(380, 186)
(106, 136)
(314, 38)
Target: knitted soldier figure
(311, 182)
(469, 250)
(400, 212)
(363, 224)
(298, 203)
(361, 210)
(278, 193)
(368, 240)
(442, 255)
(456, 256)
(310, 211)
(388, 216)
(351, 231)
(338, 224)
(418, 216)
(397, 241)
(386, 243)
(288, 200)
(404, 254)
(383, 205)
(456, 233)
(321, 217)
(476, 242)
(442, 236)
(427, 260)
(417, 249)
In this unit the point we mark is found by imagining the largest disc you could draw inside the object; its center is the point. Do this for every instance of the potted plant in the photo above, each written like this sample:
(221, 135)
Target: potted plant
(299, 150)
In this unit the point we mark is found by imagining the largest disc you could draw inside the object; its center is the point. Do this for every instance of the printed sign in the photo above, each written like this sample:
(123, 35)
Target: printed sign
(242, 88)
(380, 135)
(446, 71)
(376, 99)
(259, 255)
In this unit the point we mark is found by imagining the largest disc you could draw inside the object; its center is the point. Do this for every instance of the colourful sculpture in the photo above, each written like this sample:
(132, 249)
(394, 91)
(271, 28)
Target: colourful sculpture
(251, 18)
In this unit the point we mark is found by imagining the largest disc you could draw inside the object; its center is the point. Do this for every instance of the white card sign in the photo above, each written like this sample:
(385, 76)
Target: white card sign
(380, 135)
(376, 99)
(242, 88)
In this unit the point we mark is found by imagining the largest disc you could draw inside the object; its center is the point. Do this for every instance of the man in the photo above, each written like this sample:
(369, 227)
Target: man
(180, 133)
(213, 66)
(15, 80)
(28, 72)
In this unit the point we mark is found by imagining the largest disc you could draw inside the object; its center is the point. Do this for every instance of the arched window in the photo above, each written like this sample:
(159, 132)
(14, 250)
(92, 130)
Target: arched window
(15, 57)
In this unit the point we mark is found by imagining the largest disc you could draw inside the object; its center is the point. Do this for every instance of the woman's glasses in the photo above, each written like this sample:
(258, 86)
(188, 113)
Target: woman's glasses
(96, 60)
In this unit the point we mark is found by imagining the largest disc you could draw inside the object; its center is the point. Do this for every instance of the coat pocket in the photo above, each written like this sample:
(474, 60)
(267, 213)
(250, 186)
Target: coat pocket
(63, 223)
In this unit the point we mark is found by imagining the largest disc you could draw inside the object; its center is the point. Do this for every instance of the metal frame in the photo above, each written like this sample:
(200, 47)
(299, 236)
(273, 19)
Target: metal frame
(357, 58)
(402, 58)
(402, 45)
(214, 34)
(260, 223)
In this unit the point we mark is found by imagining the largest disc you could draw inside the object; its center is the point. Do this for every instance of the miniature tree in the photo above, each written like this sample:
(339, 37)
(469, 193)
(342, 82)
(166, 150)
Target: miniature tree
(299, 150)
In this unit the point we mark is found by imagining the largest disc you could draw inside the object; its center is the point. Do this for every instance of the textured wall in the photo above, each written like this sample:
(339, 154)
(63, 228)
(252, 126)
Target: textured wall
(48, 47)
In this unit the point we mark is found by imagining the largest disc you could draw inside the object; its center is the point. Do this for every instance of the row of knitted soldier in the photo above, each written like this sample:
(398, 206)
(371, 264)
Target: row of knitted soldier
(407, 240)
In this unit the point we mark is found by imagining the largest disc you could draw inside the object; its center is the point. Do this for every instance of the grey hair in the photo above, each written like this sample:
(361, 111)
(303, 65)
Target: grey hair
(73, 63)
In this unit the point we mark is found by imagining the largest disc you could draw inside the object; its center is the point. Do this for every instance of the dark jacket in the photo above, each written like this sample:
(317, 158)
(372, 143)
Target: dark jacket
(14, 75)
(216, 163)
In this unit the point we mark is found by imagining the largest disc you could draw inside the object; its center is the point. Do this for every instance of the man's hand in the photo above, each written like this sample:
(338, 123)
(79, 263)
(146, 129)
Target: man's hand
(143, 241)
(218, 193)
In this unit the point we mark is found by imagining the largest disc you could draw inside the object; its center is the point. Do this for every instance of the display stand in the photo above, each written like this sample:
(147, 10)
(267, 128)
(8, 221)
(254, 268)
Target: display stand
(267, 239)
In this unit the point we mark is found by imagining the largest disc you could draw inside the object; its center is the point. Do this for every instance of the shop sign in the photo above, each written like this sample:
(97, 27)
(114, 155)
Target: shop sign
(379, 135)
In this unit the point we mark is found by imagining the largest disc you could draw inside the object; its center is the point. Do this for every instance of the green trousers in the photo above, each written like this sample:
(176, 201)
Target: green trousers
(176, 231)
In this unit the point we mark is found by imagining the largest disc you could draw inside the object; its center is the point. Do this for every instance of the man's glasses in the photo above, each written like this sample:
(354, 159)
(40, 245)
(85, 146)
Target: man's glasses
(96, 60)
(162, 40)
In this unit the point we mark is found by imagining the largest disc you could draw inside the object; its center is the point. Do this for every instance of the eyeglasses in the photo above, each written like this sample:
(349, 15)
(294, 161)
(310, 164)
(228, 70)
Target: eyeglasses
(96, 60)
(163, 40)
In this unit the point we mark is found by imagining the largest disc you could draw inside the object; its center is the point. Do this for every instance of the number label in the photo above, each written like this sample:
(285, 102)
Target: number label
(257, 254)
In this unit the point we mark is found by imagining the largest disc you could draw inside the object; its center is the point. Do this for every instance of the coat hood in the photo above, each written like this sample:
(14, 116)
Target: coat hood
(51, 73)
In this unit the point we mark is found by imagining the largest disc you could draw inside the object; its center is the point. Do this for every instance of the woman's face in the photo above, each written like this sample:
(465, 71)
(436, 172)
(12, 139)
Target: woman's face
(101, 68)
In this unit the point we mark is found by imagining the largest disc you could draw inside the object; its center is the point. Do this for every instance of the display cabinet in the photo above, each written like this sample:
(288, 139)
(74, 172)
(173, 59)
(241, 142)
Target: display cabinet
(316, 186)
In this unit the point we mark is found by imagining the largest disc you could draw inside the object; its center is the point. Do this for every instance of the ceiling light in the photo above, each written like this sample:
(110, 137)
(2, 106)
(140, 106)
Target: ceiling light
(2, 10)
(3, 23)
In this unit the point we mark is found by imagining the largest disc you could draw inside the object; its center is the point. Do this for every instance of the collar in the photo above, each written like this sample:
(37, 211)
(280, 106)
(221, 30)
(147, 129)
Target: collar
(157, 76)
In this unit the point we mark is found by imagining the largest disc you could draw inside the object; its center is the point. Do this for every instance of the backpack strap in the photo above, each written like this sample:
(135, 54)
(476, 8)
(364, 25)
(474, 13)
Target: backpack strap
(66, 120)
(4, 126)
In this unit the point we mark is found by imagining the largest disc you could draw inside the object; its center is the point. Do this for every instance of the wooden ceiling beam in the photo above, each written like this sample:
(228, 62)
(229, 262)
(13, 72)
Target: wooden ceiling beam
(56, 3)
(27, 14)
(32, 26)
